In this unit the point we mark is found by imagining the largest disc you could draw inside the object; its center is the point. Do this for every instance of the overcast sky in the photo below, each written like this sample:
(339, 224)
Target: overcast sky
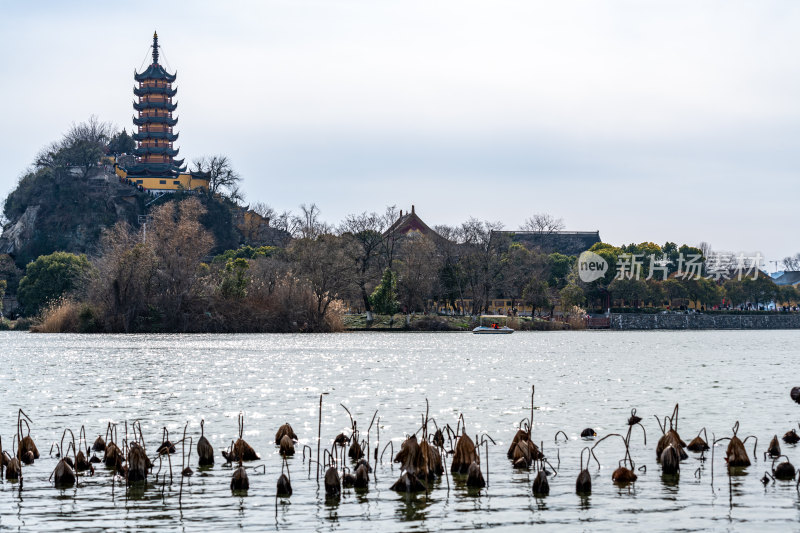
(647, 121)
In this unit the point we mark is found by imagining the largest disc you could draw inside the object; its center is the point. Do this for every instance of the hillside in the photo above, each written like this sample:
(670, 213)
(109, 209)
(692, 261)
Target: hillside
(58, 210)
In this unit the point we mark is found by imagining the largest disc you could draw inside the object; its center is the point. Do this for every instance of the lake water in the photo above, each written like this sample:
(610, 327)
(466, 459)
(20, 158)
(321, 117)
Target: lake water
(583, 379)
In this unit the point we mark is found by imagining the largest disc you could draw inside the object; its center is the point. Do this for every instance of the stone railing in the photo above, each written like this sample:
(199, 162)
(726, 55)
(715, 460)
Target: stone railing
(631, 321)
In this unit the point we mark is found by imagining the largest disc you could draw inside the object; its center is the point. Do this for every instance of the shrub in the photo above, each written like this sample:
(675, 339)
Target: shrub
(50, 277)
(60, 316)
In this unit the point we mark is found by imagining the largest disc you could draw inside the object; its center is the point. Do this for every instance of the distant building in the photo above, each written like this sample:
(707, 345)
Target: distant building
(155, 168)
(563, 242)
(411, 223)
(791, 277)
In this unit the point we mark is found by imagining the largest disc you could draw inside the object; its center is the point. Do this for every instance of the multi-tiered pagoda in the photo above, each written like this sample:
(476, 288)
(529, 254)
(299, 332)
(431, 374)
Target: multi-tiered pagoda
(156, 168)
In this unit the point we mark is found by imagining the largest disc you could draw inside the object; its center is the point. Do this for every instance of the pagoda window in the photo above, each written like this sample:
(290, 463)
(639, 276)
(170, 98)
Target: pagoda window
(163, 182)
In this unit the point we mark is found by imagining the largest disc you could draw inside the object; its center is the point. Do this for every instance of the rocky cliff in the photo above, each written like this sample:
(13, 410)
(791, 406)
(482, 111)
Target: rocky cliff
(54, 210)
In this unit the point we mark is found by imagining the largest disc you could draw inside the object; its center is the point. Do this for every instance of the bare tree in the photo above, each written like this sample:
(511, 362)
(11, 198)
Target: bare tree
(480, 260)
(792, 263)
(325, 264)
(82, 146)
(307, 224)
(417, 272)
(543, 223)
(222, 178)
(263, 210)
(93, 130)
(180, 242)
(392, 238)
(366, 231)
(705, 249)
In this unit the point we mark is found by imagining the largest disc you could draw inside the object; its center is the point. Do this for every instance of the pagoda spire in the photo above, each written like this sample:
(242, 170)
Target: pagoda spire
(155, 47)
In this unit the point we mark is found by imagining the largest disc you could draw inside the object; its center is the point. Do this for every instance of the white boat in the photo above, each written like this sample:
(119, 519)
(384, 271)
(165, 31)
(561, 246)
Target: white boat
(485, 330)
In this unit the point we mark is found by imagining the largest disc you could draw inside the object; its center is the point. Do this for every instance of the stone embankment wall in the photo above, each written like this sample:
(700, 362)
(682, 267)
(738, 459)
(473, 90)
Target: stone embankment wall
(629, 321)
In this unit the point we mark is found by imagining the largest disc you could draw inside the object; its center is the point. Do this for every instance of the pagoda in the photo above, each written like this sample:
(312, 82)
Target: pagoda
(156, 167)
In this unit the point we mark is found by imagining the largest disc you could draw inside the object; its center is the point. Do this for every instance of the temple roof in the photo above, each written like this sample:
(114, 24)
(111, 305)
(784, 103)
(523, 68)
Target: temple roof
(155, 71)
(141, 91)
(141, 106)
(140, 121)
(171, 137)
(146, 150)
(152, 170)
(790, 277)
(410, 222)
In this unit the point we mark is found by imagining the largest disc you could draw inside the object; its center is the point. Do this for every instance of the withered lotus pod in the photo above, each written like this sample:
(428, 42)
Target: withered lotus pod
(784, 471)
(697, 444)
(438, 439)
(411, 458)
(465, 454)
(541, 487)
(518, 436)
(287, 446)
(27, 445)
(795, 394)
(671, 438)
(362, 476)
(285, 430)
(408, 483)
(434, 461)
(522, 455)
(623, 476)
(791, 437)
(244, 452)
(355, 452)
(736, 455)
(365, 463)
(475, 476)
(99, 444)
(774, 448)
(137, 464)
(583, 485)
(113, 455)
(205, 452)
(239, 479)
(166, 448)
(670, 461)
(63, 475)
(284, 486)
(13, 469)
(82, 463)
(333, 486)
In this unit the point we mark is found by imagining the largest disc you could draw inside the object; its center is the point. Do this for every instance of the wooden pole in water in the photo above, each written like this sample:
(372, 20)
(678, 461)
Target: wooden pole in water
(319, 435)
(530, 429)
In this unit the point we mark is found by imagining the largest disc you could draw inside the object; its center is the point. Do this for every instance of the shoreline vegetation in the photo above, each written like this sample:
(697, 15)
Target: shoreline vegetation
(178, 263)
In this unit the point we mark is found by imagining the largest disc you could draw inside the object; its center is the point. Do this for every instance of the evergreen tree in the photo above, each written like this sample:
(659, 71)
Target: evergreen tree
(384, 298)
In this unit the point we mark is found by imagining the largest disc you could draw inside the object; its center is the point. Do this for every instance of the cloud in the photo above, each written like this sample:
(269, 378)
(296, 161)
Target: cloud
(648, 121)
